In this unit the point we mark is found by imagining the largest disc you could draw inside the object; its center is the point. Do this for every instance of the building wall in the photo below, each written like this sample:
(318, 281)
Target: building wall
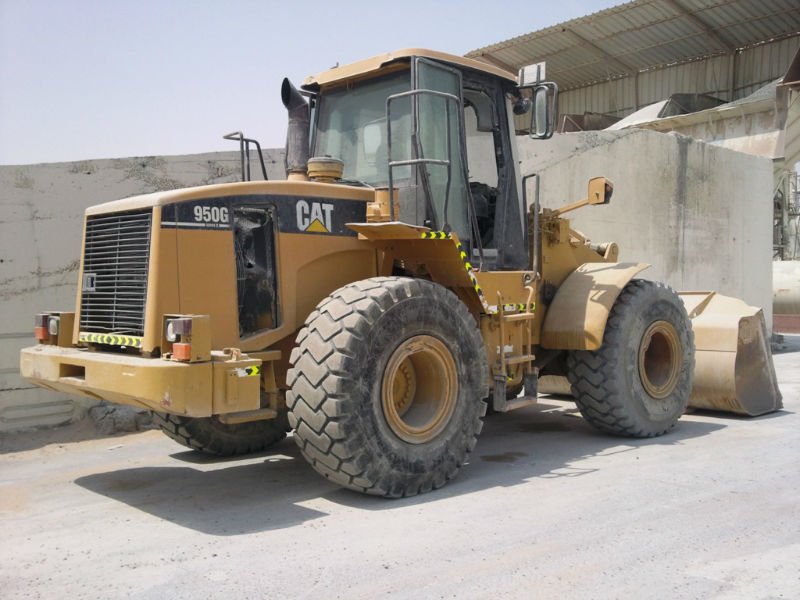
(41, 221)
(701, 215)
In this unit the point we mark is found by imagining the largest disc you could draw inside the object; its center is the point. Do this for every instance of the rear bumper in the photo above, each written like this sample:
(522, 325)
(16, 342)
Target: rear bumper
(219, 386)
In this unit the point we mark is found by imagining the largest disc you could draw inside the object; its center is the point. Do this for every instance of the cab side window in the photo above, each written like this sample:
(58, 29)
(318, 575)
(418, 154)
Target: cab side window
(482, 165)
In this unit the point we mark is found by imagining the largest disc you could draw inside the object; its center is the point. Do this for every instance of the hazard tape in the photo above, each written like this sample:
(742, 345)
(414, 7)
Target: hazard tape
(436, 235)
(443, 235)
(513, 308)
(129, 341)
(492, 310)
(248, 371)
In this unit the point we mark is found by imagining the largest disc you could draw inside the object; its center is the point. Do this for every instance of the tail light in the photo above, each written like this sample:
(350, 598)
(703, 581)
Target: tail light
(40, 328)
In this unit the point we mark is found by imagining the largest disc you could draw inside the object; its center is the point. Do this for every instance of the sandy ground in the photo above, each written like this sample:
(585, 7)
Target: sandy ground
(546, 508)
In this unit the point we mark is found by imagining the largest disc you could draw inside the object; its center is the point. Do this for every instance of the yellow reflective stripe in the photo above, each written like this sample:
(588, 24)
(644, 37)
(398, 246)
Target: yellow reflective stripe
(108, 339)
(517, 308)
(247, 371)
(436, 235)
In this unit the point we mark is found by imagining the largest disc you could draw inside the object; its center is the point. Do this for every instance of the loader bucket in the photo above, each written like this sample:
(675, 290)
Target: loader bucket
(733, 362)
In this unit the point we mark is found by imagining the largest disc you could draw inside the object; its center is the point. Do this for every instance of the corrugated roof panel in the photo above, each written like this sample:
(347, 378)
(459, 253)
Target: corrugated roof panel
(750, 22)
(646, 34)
(757, 66)
(650, 24)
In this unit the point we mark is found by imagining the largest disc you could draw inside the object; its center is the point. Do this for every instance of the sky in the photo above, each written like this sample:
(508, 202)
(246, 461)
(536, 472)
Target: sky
(89, 79)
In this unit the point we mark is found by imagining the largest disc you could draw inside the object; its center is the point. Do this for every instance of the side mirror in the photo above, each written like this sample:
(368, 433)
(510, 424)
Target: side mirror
(544, 100)
(545, 107)
(600, 190)
(540, 118)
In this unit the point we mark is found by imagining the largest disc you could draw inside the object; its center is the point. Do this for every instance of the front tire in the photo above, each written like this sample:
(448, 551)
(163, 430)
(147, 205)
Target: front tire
(386, 386)
(637, 383)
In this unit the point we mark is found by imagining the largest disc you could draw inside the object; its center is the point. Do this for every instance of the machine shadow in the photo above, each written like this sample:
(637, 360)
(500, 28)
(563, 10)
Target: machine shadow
(223, 497)
(254, 494)
(542, 441)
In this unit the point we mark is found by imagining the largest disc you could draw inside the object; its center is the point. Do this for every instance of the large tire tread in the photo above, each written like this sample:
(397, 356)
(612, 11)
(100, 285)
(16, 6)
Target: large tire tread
(321, 399)
(211, 436)
(595, 376)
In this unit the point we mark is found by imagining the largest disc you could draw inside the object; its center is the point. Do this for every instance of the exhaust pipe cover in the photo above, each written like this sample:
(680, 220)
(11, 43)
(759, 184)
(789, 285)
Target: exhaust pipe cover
(297, 133)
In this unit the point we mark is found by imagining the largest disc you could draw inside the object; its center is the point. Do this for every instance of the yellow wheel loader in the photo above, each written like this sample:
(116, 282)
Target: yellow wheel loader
(402, 279)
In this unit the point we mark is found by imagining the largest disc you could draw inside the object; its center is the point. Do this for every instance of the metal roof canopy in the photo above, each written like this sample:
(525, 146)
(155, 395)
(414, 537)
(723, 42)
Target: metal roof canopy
(644, 35)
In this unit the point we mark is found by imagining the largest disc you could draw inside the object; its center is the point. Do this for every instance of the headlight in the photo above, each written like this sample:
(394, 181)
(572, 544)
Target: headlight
(52, 325)
(177, 329)
(172, 335)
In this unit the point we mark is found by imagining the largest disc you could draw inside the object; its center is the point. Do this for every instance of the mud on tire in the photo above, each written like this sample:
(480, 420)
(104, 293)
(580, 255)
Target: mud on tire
(212, 436)
(386, 386)
(637, 383)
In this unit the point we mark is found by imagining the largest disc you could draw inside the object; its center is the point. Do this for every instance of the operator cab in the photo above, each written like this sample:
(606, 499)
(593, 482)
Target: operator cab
(438, 131)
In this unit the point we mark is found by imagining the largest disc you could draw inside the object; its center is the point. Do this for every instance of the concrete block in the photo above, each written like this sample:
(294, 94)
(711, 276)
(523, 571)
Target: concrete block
(700, 214)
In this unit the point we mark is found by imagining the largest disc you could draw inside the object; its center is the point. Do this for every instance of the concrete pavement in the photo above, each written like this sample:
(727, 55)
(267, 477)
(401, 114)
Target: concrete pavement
(546, 508)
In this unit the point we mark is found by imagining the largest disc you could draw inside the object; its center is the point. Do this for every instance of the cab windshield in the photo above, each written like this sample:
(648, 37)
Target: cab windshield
(351, 126)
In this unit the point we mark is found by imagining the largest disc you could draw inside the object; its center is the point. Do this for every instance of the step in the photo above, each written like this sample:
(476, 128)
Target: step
(519, 402)
(248, 416)
(518, 360)
(519, 317)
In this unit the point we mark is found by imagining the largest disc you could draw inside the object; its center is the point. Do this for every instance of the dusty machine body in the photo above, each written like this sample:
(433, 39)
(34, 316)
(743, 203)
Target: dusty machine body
(381, 297)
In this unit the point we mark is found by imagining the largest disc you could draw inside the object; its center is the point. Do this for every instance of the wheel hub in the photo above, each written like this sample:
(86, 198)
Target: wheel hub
(419, 389)
(660, 359)
(404, 387)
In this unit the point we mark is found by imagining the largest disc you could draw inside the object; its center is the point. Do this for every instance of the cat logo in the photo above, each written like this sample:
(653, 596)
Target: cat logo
(314, 217)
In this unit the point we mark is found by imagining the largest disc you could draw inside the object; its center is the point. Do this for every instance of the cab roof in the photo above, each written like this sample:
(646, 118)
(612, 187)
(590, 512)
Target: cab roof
(370, 65)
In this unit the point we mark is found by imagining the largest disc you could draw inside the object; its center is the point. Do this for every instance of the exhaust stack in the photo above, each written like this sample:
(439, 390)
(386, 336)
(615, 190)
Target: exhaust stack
(297, 133)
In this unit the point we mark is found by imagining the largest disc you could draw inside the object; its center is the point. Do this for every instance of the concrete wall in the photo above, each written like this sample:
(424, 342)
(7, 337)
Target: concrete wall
(41, 218)
(700, 214)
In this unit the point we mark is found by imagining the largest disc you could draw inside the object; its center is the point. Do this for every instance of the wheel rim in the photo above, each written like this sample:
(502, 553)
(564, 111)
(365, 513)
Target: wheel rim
(419, 389)
(660, 359)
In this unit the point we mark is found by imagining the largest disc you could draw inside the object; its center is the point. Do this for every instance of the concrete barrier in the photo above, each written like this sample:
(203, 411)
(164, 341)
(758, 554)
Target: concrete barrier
(41, 218)
(700, 214)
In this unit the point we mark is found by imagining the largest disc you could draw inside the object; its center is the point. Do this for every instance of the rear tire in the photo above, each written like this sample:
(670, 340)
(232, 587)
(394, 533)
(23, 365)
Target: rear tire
(386, 386)
(212, 436)
(637, 383)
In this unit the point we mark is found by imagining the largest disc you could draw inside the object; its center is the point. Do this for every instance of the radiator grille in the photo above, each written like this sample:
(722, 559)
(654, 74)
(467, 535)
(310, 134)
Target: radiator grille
(115, 273)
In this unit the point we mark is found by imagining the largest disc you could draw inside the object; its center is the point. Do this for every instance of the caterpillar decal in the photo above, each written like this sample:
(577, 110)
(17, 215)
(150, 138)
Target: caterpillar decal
(327, 216)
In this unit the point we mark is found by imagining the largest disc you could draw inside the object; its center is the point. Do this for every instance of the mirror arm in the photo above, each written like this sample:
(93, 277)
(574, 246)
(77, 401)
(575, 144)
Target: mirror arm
(570, 207)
